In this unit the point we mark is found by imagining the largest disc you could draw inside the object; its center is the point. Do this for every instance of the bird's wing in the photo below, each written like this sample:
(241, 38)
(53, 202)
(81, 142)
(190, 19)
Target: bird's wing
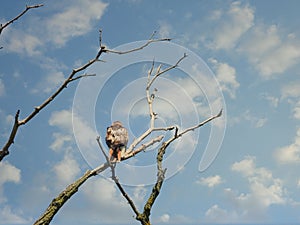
(121, 136)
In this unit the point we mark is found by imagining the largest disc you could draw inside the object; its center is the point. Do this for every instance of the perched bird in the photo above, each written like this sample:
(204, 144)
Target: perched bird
(116, 139)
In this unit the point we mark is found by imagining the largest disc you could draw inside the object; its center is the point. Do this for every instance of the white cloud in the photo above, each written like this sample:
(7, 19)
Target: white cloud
(10, 216)
(165, 30)
(255, 121)
(274, 101)
(66, 170)
(69, 21)
(165, 218)
(59, 141)
(218, 215)
(73, 20)
(291, 90)
(291, 152)
(210, 181)
(85, 136)
(102, 194)
(2, 88)
(49, 83)
(8, 173)
(272, 54)
(291, 93)
(173, 219)
(246, 166)
(65, 120)
(296, 110)
(22, 42)
(139, 194)
(62, 119)
(226, 75)
(264, 191)
(234, 23)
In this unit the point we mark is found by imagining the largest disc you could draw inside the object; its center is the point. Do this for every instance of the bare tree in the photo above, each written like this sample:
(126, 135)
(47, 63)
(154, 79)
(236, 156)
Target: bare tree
(136, 146)
(133, 149)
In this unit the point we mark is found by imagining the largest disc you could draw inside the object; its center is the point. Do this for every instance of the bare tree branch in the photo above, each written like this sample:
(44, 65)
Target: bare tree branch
(72, 77)
(4, 152)
(66, 194)
(144, 217)
(61, 199)
(150, 40)
(150, 97)
(115, 179)
(84, 75)
(159, 72)
(28, 7)
(126, 196)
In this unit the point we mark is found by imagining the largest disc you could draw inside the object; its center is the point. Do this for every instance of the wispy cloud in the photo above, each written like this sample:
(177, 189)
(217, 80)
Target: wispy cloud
(274, 51)
(252, 119)
(11, 216)
(22, 42)
(264, 191)
(8, 173)
(73, 20)
(291, 93)
(211, 181)
(231, 25)
(2, 88)
(289, 153)
(226, 76)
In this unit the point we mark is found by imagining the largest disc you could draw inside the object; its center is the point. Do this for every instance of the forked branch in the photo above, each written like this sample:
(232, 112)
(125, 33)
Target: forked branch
(72, 77)
(67, 193)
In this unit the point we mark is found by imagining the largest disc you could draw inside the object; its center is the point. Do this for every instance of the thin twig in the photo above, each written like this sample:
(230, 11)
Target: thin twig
(126, 196)
(102, 149)
(158, 72)
(150, 40)
(200, 124)
(2, 27)
(81, 76)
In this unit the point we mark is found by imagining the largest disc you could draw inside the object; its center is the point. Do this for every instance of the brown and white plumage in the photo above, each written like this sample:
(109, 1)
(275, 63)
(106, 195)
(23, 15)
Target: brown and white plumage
(116, 139)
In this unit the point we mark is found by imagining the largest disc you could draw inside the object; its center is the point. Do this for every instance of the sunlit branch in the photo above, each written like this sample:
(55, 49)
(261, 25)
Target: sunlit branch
(28, 7)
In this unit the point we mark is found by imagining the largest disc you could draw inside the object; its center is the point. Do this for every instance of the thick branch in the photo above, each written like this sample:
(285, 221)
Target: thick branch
(61, 199)
(144, 218)
(17, 17)
(66, 194)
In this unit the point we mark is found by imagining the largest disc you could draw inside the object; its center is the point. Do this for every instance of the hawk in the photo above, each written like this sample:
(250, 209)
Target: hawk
(116, 140)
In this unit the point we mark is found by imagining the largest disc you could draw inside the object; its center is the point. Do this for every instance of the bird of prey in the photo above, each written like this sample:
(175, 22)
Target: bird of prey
(116, 140)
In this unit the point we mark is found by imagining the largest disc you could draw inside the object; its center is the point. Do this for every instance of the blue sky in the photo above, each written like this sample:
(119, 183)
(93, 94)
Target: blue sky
(251, 48)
